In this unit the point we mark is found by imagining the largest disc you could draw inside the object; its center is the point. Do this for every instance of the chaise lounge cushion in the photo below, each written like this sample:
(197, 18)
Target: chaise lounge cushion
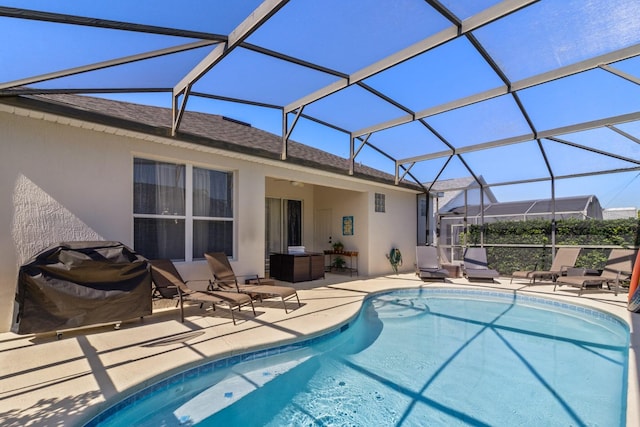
(475, 265)
(427, 264)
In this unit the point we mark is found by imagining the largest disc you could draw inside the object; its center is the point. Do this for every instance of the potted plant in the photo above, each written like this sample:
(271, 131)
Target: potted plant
(338, 263)
(338, 247)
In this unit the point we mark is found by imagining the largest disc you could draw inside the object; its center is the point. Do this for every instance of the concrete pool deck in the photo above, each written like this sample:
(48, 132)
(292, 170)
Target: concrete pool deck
(46, 381)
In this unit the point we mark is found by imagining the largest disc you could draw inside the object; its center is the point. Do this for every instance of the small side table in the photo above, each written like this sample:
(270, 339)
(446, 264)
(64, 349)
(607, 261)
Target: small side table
(454, 270)
(351, 268)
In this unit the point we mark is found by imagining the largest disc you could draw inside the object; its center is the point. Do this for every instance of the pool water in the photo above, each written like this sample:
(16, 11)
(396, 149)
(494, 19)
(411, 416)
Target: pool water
(415, 358)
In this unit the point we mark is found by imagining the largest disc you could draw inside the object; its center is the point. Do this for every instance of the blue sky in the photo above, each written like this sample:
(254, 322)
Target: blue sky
(524, 45)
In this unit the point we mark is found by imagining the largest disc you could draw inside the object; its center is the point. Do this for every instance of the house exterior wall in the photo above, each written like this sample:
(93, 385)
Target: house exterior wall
(352, 204)
(375, 233)
(63, 180)
(394, 228)
(56, 184)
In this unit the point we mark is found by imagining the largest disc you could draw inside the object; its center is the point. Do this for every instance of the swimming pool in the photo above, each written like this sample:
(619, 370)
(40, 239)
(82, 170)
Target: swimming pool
(434, 356)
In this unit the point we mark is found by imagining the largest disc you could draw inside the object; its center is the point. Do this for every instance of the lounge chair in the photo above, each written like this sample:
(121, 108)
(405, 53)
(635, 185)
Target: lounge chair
(169, 284)
(427, 264)
(475, 266)
(225, 279)
(618, 268)
(565, 258)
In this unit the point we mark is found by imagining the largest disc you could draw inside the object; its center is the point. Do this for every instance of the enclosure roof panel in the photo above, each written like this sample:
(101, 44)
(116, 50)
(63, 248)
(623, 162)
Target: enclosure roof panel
(521, 92)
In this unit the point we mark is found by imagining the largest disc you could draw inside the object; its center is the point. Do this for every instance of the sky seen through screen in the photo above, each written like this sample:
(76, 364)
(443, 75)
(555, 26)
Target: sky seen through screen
(344, 38)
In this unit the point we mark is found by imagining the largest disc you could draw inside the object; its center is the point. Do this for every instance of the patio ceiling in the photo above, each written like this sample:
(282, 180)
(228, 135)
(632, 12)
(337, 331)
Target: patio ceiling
(519, 92)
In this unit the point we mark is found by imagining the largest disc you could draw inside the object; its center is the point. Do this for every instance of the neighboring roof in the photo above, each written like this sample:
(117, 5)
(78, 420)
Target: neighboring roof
(452, 188)
(197, 128)
(585, 205)
(453, 184)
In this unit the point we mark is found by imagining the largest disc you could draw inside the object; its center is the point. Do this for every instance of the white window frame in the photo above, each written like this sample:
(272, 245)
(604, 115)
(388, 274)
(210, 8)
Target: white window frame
(188, 217)
(380, 203)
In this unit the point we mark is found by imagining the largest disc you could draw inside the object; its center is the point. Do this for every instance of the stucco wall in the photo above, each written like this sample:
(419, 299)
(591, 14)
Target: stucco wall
(58, 183)
(375, 233)
(394, 228)
(348, 203)
(62, 182)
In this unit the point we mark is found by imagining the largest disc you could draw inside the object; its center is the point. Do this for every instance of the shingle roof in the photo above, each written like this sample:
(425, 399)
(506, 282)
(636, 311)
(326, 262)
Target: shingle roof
(562, 205)
(197, 128)
(453, 187)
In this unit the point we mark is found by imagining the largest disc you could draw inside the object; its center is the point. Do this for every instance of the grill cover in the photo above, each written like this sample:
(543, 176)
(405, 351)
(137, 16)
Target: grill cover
(75, 284)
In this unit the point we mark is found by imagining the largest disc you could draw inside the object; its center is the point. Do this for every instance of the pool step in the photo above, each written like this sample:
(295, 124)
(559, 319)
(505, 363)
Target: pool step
(244, 379)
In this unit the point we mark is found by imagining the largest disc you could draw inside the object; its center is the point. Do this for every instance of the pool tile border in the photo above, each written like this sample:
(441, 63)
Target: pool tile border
(546, 302)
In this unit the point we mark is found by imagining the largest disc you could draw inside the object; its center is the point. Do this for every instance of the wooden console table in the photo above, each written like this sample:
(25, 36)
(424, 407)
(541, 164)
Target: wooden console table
(299, 267)
(352, 255)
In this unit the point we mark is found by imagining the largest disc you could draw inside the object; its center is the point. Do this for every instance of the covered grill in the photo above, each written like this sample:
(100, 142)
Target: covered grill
(76, 284)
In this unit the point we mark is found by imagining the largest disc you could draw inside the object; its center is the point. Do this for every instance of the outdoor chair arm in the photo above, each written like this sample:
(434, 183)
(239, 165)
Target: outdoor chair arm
(564, 269)
(155, 292)
(214, 284)
(250, 278)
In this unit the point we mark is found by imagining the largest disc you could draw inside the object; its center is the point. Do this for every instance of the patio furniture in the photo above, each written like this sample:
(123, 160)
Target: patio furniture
(427, 264)
(475, 266)
(225, 279)
(618, 268)
(296, 267)
(76, 284)
(564, 259)
(335, 265)
(170, 284)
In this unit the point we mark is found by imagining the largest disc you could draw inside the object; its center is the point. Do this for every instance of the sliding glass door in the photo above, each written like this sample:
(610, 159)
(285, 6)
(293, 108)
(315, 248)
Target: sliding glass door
(283, 224)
